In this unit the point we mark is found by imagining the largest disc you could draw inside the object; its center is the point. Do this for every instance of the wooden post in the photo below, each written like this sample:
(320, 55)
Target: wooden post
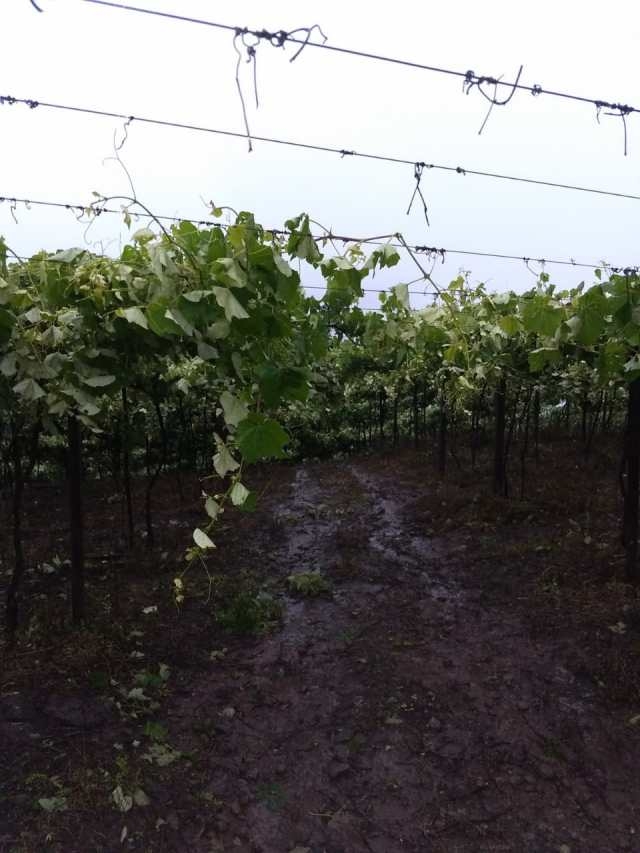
(74, 444)
(499, 402)
(126, 460)
(632, 486)
(13, 589)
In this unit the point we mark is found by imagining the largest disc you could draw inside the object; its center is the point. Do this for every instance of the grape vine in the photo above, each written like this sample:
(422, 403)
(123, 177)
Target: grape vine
(93, 347)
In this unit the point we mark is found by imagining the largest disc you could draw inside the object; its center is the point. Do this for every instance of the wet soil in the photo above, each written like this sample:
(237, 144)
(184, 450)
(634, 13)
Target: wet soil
(440, 699)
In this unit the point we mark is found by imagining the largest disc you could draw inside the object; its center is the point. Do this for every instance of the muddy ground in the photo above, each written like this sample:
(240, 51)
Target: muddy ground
(468, 685)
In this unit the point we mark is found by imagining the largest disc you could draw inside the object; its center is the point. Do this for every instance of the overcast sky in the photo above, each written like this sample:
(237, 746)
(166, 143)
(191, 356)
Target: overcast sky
(80, 54)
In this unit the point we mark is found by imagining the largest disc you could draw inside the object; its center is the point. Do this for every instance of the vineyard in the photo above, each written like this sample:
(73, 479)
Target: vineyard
(198, 350)
(148, 399)
(313, 543)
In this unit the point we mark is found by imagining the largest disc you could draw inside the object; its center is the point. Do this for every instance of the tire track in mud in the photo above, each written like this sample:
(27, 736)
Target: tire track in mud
(402, 714)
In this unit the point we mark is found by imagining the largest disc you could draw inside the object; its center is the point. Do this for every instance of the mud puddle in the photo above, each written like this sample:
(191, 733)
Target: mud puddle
(407, 552)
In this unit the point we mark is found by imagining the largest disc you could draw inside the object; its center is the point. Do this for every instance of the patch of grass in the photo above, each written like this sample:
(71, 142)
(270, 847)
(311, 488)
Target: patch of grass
(156, 731)
(309, 584)
(243, 604)
(249, 613)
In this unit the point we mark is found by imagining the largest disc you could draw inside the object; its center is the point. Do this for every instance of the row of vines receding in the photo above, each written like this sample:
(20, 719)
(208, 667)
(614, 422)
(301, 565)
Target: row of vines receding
(198, 350)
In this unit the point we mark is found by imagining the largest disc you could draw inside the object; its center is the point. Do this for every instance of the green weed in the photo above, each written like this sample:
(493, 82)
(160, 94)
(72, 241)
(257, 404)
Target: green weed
(249, 613)
(309, 584)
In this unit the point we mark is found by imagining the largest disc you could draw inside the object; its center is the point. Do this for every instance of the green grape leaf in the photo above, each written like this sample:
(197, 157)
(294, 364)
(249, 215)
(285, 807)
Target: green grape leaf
(180, 320)
(201, 539)
(236, 360)
(282, 383)
(219, 330)
(142, 235)
(8, 365)
(259, 437)
(539, 316)
(305, 247)
(509, 324)
(34, 315)
(401, 292)
(223, 461)
(281, 265)
(99, 381)
(68, 256)
(29, 390)
(133, 315)
(239, 494)
(7, 322)
(86, 403)
(611, 359)
(387, 256)
(227, 301)
(234, 409)
(591, 313)
(233, 272)
(206, 352)
(250, 502)
(344, 283)
(540, 358)
(195, 295)
(212, 508)
(159, 323)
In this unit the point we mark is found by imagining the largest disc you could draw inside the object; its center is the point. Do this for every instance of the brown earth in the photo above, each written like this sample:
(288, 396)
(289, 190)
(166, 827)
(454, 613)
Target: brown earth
(470, 685)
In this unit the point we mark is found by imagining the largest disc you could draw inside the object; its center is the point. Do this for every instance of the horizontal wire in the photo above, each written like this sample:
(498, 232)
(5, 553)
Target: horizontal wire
(468, 76)
(97, 208)
(343, 152)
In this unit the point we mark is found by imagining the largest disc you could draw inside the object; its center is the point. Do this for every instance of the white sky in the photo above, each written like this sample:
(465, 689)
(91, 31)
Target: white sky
(81, 54)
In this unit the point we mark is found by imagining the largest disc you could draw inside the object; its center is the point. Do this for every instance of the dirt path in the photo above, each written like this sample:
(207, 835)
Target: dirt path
(403, 714)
